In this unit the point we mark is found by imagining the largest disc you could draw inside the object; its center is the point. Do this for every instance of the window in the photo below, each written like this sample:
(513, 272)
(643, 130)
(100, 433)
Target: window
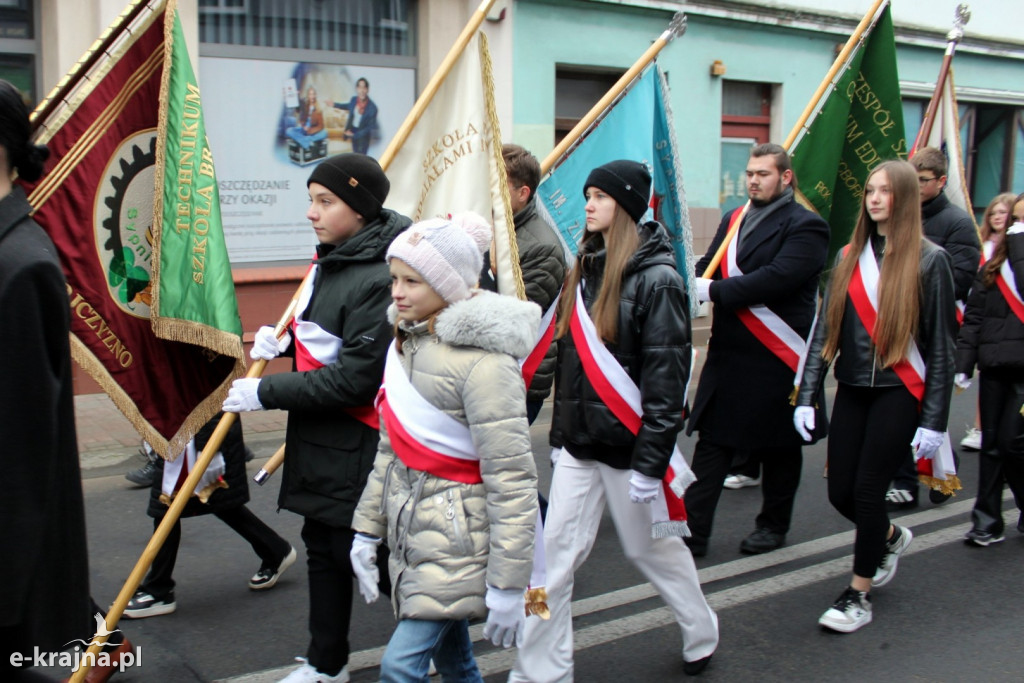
(382, 27)
(577, 90)
(746, 121)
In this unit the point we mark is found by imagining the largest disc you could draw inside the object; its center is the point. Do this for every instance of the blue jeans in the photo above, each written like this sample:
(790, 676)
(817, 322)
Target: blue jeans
(416, 641)
(299, 135)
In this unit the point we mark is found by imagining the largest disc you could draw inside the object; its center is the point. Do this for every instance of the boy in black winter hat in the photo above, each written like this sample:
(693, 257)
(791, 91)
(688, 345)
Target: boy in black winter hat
(341, 337)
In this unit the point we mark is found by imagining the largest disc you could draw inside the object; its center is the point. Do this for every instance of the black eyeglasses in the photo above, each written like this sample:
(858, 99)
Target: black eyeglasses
(925, 181)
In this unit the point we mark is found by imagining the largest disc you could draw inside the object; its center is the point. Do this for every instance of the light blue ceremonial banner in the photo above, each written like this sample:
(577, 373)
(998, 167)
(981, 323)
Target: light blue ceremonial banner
(638, 127)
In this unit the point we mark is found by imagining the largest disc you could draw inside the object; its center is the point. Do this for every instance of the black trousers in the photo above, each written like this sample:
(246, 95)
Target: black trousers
(781, 467)
(1001, 459)
(265, 542)
(869, 437)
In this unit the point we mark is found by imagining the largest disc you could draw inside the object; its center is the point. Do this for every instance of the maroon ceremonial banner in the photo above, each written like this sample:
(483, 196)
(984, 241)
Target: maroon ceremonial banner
(97, 202)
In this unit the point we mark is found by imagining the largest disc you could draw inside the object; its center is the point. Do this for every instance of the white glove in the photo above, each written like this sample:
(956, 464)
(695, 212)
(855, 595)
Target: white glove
(556, 453)
(803, 420)
(242, 396)
(1015, 229)
(703, 289)
(926, 443)
(266, 345)
(506, 615)
(364, 565)
(643, 489)
(960, 379)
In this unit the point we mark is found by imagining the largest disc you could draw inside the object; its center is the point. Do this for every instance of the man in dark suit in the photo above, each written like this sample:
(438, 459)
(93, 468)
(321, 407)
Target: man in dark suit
(764, 294)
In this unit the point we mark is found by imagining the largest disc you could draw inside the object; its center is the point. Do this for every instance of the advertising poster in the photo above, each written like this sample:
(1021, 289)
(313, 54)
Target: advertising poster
(271, 122)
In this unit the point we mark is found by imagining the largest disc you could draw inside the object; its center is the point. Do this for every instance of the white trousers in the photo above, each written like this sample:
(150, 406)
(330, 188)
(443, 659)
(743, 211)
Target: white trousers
(579, 490)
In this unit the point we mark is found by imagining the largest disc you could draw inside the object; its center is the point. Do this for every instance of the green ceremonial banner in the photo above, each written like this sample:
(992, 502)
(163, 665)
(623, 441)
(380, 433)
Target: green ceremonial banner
(194, 297)
(859, 125)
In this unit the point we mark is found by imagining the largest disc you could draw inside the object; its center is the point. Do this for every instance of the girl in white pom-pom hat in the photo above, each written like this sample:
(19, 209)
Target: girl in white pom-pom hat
(454, 485)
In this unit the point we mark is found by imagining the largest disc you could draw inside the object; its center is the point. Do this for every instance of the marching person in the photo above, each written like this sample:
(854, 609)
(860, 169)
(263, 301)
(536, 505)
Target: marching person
(887, 320)
(541, 258)
(454, 484)
(341, 336)
(223, 492)
(623, 360)
(765, 293)
(951, 228)
(992, 338)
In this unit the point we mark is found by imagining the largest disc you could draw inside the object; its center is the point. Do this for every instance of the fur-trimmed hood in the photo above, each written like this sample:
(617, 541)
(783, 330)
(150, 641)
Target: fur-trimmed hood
(486, 320)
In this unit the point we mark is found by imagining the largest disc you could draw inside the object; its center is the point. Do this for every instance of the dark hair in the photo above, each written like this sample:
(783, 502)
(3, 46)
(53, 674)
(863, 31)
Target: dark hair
(777, 152)
(15, 134)
(930, 159)
(364, 82)
(521, 167)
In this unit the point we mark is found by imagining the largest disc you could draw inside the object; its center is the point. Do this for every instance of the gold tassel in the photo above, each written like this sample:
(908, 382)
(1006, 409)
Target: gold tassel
(536, 603)
(948, 486)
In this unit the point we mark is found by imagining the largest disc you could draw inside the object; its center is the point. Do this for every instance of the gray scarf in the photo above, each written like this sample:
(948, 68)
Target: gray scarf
(756, 214)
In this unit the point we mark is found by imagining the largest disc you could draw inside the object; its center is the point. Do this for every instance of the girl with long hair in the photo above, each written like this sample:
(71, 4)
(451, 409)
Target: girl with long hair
(888, 320)
(992, 338)
(623, 362)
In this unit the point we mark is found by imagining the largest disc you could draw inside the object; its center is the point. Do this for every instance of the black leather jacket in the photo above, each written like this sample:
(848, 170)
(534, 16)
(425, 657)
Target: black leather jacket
(857, 363)
(653, 345)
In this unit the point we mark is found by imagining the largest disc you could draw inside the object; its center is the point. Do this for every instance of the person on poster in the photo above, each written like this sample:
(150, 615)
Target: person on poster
(309, 126)
(361, 127)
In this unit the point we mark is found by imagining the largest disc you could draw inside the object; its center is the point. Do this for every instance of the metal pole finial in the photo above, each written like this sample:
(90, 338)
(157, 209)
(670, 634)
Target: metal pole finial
(677, 26)
(963, 15)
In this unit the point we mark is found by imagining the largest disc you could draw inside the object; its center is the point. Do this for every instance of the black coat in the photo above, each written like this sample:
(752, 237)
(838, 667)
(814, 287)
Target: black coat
(747, 385)
(992, 336)
(857, 363)
(951, 228)
(653, 345)
(44, 576)
(328, 453)
(237, 492)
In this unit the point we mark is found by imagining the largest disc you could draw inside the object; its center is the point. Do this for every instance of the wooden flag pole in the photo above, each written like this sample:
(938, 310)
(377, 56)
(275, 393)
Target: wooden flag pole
(177, 505)
(826, 82)
(676, 28)
(423, 101)
(97, 50)
(954, 36)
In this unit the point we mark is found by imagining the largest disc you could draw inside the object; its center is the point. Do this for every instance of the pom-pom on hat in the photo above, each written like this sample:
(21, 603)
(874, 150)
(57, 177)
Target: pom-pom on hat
(357, 179)
(627, 182)
(447, 252)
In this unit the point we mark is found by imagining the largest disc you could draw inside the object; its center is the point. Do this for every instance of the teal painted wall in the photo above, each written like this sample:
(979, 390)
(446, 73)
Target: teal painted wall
(564, 32)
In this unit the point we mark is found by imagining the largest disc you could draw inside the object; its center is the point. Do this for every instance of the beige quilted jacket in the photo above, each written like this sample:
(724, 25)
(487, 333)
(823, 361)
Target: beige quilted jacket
(448, 540)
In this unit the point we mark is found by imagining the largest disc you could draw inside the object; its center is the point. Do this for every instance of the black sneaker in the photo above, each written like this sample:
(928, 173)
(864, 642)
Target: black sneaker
(143, 605)
(266, 578)
(900, 499)
(762, 541)
(145, 475)
(983, 539)
(938, 497)
(849, 612)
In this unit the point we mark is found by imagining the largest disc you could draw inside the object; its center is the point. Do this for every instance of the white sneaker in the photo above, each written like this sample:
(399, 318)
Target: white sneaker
(849, 612)
(307, 674)
(971, 440)
(740, 481)
(893, 549)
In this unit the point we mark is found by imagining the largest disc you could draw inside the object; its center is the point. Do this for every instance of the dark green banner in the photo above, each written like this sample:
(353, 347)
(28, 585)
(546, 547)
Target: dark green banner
(860, 125)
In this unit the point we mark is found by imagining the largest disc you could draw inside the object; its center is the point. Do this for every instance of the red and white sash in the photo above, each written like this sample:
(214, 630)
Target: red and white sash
(1006, 282)
(315, 348)
(545, 335)
(621, 395)
(771, 330)
(863, 291)
(423, 436)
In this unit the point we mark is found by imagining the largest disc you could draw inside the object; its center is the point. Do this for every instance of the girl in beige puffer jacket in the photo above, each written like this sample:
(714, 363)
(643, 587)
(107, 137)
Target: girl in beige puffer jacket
(454, 484)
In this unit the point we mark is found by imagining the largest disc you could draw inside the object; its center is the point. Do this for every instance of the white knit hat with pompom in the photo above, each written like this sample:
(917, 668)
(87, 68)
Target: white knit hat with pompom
(447, 252)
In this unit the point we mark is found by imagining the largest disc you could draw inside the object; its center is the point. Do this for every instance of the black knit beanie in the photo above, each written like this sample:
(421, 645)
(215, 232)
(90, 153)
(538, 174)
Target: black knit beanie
(357, 179)
(627, 182)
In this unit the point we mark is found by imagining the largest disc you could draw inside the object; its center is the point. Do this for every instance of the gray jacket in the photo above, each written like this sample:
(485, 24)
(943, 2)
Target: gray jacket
(448, 539)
